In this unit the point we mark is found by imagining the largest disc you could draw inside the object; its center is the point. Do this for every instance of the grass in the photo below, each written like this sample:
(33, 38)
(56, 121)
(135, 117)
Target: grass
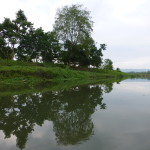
(23, 73)
(11, 89)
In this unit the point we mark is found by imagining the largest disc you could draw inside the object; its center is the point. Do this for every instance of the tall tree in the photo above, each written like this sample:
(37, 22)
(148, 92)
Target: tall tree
(23, 29)
(96, 55)
(3, 50)
(23, 26)
(8, 40)
(73, 23)
(73, 26)
(51, 48)
(11, 34)
(39, 46)
(83, 54)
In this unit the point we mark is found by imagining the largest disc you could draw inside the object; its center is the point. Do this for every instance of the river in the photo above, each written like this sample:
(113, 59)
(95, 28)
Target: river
(101, 116)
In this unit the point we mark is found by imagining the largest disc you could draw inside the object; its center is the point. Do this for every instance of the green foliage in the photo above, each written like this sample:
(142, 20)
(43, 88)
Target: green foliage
(38, 46)
(118, 69)
(17, 72)
(19, 38)
(70, 43)
(12, 32)
(84, 54)
(7, 39)
(108, 64)
(50, 51)
(73, 24)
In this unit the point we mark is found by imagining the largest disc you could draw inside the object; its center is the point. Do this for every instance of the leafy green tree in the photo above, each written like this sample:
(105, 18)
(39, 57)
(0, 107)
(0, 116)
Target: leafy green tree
(73, 27)
(73, 24)
(7, 39)
(26, 51)
(23, 31)
(84, 54)
(12, 32)
(39, 46)
(91, 55)
(23, 26)
(96, 55)
(108, 64)
(51, 48)
(70, 43)
(70, 55)
(118, 69)
(3, 49)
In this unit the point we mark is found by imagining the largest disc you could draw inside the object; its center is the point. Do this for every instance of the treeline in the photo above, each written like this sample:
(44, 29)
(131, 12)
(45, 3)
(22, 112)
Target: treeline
(69, 43)
(20, 40)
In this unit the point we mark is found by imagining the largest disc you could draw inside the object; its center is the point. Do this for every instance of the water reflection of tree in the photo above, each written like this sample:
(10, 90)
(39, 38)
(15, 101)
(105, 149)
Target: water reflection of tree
(73, 123)
(70, 111)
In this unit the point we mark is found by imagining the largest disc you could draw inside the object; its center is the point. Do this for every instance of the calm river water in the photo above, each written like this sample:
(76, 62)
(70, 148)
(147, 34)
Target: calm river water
(90, 117)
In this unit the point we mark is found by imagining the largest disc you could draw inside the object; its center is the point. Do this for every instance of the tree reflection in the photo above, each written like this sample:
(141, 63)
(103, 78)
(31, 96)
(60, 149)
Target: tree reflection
(73, 123)
(70, 110)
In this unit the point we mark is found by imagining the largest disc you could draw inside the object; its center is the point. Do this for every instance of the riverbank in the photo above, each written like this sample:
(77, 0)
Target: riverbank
(22, 73)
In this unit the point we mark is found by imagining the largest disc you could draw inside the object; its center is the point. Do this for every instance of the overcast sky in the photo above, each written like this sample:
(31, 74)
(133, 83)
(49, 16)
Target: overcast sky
(124, 25)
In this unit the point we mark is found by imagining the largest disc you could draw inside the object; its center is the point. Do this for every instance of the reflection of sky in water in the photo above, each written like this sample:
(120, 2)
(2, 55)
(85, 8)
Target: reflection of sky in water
(137, 80)
(125, 124)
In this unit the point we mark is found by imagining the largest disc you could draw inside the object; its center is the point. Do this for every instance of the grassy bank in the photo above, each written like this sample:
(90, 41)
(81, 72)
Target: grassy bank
(11, 90)
(21, 73)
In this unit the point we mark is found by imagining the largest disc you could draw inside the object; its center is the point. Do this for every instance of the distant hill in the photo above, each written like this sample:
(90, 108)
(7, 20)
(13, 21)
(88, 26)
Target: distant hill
(135, 70)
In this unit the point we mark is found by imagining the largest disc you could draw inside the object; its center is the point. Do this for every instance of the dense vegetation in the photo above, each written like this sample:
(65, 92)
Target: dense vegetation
(69, 43)
(20, 41)
(21, 73)
(67, 52)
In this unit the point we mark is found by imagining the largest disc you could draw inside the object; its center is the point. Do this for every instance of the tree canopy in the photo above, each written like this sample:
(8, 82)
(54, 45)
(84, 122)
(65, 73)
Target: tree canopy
(73, 24)
(21, 41)
(73, 27)
(69, 43)
(108, 64)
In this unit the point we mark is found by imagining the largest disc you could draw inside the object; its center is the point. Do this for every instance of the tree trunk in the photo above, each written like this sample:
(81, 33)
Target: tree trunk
(13, 53)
